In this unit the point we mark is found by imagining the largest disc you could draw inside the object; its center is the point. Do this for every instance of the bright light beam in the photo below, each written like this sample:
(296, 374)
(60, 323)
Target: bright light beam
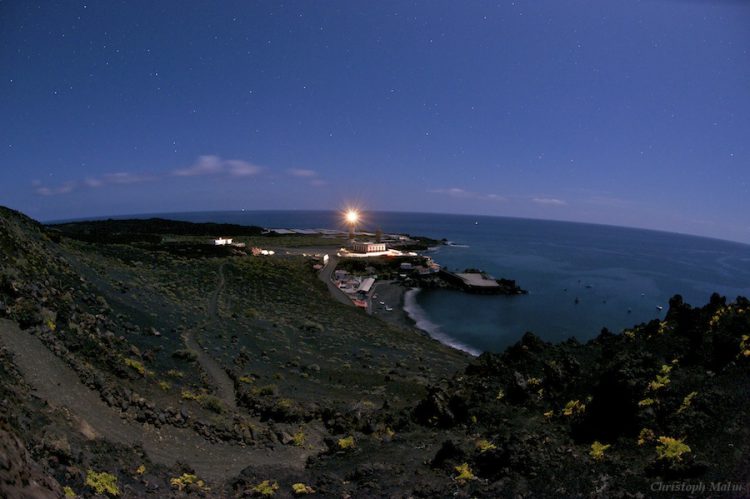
(352, 216)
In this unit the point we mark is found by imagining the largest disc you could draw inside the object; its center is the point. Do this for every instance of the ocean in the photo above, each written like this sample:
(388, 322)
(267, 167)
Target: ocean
(580, 277)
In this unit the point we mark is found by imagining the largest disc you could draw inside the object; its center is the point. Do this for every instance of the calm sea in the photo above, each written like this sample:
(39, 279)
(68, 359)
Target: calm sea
(580, 277)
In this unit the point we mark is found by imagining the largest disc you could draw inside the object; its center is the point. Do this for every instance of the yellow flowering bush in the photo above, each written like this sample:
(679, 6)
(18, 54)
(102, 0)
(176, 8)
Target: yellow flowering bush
(135, 365)
(597, 450)
(266, 488)
(485, 445)
(300, 489)
(464, 473)
(181, 482)
(574, 407)
(687, 402)
(347, 443)
(671, 449)
(102, 483)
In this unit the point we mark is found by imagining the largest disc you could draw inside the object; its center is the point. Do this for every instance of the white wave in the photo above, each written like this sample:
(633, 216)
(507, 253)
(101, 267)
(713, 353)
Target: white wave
(456, 245)
(419, 316)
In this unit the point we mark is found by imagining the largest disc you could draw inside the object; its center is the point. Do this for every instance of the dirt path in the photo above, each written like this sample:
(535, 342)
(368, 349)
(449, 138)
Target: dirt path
(223, 383)
(55, 382)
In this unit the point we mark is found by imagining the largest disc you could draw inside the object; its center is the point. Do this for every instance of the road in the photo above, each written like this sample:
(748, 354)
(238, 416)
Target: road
(325, 276)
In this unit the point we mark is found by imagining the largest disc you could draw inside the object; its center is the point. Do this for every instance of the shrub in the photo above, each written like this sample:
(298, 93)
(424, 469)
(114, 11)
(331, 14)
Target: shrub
(646, 402)
(212, 403)
(597, 450)
(268, 390)
(347, 443)
(485, 445)
(574, 407)
(687, 402)
(185, 354)
(188, 395)
(26, 313)
(671, 449)
(298, 438)
(646, 435)
(745, 346)
(69, 492)
(663, 327)
(164, 386)
(180, 483)
(312, 326)
(135, 365)
(266, 488)
(464, 473)
(300, 489)
(660, 382)
(102, 483)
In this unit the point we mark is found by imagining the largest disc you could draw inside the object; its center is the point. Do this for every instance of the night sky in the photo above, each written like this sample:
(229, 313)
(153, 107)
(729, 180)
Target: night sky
(631, 113)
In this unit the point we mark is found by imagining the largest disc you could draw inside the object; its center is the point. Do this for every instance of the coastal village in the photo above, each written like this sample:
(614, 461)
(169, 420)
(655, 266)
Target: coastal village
(371, 259)
(382, 261)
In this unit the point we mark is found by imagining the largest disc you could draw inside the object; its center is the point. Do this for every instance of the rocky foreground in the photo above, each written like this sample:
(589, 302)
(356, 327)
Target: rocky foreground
(134, 363)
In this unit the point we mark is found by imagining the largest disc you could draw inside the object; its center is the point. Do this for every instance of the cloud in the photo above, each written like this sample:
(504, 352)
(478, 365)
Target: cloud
(453, 191)
(456, 192)
(549, 201)
(301, 172)
(239, 168)
(206, 165)
(121, 178)
(310, 175)
(64, 188)
(214, 165)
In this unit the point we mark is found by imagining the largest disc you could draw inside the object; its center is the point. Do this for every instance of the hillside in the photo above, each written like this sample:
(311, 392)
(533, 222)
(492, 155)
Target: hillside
(133, 367)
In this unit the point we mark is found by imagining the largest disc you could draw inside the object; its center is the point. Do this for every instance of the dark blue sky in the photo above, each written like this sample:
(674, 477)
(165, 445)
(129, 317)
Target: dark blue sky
(628, 113)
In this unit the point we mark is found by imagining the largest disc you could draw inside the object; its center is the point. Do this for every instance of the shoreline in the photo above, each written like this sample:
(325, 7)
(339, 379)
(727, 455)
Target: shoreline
(407, 312)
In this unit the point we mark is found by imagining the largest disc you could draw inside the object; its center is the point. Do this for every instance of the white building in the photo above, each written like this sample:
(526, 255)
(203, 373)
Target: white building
(368, 247)
(222, 242)
(366, 285)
